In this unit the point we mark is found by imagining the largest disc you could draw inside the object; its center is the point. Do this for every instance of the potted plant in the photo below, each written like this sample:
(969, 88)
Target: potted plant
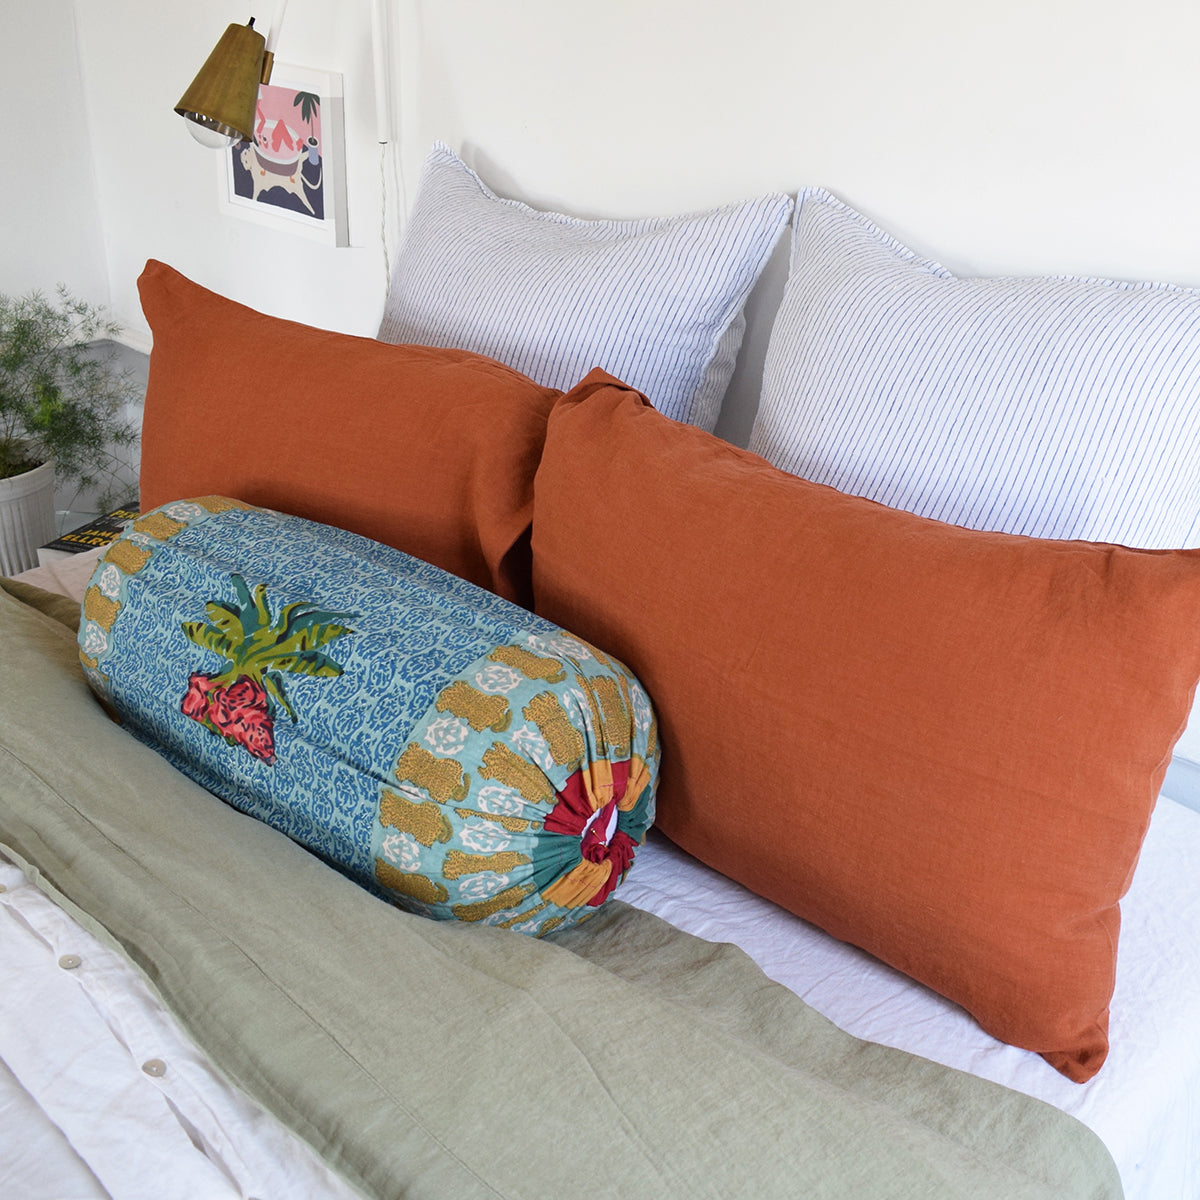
(62, 415)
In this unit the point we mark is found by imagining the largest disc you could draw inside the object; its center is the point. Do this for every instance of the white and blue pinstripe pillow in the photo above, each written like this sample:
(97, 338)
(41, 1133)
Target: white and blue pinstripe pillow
(657, 303)
(1055, 407)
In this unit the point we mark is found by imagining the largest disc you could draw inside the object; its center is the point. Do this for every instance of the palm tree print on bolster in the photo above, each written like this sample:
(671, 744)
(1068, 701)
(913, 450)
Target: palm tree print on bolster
(240, 703)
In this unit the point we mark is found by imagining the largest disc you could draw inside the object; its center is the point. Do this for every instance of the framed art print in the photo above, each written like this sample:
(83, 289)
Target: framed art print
(292, 175)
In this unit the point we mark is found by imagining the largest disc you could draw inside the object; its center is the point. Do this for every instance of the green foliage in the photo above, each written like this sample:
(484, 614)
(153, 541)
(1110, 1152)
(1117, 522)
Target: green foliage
(61, 397)
(261, 647)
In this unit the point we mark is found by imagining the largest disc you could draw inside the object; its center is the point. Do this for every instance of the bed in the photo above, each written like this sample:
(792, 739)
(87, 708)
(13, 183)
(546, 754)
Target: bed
(284, 1032)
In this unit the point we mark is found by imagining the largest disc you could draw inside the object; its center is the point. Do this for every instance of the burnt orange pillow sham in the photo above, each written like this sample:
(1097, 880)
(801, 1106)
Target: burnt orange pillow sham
(941, 745)
(430, 451)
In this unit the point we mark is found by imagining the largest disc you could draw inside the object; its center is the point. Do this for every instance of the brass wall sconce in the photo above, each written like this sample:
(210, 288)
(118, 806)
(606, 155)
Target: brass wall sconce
(220, 102)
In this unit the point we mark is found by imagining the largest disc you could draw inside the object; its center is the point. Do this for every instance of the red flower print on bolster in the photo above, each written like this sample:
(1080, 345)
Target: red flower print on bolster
(239, 704)
(239, 712)
(242, 713)
(195, 702)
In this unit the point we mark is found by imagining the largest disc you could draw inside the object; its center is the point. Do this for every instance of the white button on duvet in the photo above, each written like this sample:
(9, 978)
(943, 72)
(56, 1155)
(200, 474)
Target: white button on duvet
(99, 1043)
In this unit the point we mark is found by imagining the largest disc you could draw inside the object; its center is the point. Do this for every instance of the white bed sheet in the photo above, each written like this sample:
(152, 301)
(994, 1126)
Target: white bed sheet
(1145, 1101)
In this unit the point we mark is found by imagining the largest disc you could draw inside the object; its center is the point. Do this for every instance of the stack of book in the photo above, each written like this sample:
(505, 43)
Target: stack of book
(97, 532)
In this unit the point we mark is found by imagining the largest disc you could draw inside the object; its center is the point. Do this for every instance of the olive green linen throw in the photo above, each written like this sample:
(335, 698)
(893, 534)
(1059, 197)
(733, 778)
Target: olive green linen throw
(428, 1059)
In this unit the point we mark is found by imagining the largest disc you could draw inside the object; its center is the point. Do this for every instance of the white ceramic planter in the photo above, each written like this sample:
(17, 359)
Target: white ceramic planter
(26, 517)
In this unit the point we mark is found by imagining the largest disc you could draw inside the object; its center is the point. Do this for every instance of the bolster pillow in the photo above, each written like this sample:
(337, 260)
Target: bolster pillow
(453, 752)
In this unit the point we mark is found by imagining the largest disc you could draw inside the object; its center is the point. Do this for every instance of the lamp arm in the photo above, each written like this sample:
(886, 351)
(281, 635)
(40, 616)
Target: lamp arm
(381, 55)
(268, 61)
(276, 25)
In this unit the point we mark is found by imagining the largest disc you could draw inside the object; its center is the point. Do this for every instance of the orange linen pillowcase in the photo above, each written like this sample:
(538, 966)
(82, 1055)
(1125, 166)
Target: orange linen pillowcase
(430, 451)
(938, 744)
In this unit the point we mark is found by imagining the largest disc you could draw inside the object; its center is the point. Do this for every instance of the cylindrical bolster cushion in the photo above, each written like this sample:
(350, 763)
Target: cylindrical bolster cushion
(449, 750)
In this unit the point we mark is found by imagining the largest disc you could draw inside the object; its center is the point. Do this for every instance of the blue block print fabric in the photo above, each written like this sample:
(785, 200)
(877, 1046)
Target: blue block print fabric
(456, 754)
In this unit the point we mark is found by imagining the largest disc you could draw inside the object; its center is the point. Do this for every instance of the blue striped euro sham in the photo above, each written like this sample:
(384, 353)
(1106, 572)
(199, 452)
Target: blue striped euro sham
(656, 302)
(1054, 407)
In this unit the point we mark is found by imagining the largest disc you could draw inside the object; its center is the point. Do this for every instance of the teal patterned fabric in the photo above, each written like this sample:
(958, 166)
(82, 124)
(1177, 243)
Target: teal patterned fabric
(451, 751)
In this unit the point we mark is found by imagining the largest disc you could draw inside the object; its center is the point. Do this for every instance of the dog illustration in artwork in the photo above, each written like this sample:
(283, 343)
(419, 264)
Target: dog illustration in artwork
(266, 174)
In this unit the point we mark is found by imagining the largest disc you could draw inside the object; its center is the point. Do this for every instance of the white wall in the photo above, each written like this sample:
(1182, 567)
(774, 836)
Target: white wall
(1000, 135)
(1018, 136)
(50, 223)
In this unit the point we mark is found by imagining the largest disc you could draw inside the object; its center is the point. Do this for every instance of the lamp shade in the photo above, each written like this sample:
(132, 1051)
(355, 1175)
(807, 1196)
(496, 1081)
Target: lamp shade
(222, 97)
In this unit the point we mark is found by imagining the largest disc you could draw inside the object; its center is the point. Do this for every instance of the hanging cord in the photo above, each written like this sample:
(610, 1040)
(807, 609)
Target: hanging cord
(389, 152)
(388, 125)
(383, 217)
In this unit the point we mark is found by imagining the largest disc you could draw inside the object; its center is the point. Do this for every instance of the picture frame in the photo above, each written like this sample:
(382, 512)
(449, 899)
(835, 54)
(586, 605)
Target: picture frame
(292, 176)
